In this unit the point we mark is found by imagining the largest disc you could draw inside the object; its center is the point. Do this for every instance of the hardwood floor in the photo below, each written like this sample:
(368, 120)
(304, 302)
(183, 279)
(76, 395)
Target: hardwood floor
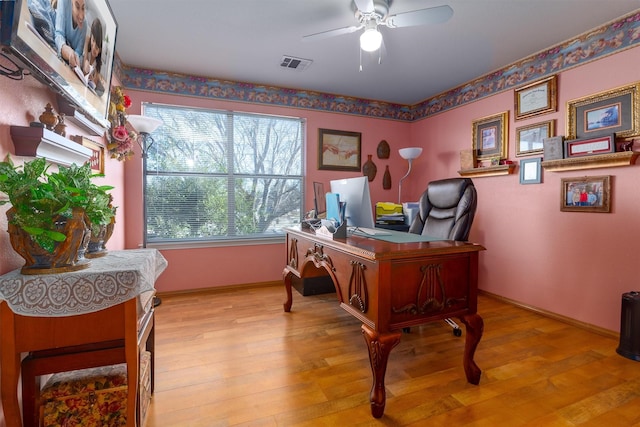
(234, 358)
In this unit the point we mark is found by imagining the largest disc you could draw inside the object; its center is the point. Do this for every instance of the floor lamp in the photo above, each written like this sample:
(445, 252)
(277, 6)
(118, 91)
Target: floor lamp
(408, 154)
(145, 125)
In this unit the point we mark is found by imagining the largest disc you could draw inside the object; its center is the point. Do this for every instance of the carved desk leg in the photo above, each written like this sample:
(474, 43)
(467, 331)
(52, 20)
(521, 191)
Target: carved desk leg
(475, 327)
(380, 345)
(286, 276)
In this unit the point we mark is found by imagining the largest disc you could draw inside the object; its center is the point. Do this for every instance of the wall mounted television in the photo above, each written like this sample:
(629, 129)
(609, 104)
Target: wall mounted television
(28, 29)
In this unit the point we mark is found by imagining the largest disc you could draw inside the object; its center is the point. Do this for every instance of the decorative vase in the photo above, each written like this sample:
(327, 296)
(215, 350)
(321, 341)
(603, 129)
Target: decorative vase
(48, 118)
(66, 256)
(99, 237)
(383, 150)
(61, 127)
(386, 180)
(369, 169)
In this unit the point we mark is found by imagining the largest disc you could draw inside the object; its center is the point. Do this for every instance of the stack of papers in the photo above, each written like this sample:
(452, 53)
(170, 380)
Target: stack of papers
(390, 218)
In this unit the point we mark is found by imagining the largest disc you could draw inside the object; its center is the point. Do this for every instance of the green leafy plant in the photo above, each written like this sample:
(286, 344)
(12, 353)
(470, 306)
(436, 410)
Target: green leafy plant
(41, 199)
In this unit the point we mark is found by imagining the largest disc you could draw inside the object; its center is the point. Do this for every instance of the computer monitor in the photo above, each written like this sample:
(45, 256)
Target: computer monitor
(355, 191)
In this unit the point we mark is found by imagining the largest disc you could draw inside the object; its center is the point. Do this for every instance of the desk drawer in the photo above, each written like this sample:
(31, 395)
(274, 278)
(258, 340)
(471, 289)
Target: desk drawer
(430, 289)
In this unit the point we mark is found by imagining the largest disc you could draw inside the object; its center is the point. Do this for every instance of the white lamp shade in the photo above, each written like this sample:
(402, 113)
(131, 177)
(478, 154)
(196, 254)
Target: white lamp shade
(370, 40)
(144, 124)
(410, 153)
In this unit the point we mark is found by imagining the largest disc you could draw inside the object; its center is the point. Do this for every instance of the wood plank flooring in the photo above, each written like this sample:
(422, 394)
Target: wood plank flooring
(235, 358)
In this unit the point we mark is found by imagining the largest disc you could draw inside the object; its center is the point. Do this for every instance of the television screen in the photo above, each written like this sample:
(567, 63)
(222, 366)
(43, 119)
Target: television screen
(68, 44)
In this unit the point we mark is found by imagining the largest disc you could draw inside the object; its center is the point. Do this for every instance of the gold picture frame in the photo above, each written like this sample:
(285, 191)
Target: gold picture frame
(491, 136)
(530, 139)
(536, 98)
(339, 150)
(613, 111)
(586, 194)
(96, 160)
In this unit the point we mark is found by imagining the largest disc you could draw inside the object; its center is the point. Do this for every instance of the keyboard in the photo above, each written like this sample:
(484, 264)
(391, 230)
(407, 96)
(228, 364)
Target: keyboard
(372, 231)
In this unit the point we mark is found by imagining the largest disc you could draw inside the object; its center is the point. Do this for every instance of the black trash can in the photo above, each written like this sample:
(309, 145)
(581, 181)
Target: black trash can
(630, 326)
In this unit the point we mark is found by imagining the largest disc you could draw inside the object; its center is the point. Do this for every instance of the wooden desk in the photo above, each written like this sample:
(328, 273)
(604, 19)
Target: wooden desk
(96, 306)
(390, 286)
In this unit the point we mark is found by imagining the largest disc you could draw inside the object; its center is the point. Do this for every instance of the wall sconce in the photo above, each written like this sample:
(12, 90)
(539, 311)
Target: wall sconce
(408, 154)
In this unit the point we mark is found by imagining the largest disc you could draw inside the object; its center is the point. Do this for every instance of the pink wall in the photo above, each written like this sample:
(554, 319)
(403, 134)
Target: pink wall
(210, 267)
(574, 264)
(571, 263)
(27, 101)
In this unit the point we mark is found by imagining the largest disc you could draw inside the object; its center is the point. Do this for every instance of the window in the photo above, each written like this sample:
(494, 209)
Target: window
(219, 175)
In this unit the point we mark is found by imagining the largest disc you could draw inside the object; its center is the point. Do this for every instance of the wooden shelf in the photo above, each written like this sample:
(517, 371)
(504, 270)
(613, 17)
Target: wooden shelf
(72, 115)
(32, 141)
(623, 158)
(488, 171)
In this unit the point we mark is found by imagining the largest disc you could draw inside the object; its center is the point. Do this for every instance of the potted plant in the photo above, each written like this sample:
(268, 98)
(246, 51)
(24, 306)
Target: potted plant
(51, 213)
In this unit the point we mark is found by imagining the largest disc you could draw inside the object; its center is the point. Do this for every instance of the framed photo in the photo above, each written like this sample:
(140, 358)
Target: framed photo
(614, 111)
(491, 136)
(339, 150)
(97, 153)
(530, 139)
(530, 171)
(590, 146)
(586, 194)
(536, 98)
(319, 200)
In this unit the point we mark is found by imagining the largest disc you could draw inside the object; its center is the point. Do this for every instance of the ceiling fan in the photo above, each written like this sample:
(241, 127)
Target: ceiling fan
(371, 14)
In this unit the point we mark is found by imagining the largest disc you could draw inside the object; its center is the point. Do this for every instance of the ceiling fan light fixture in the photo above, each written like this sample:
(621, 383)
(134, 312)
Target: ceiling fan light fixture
(371, 39)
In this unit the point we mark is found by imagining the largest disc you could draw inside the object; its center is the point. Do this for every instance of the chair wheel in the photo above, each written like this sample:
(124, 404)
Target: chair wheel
(457, 332)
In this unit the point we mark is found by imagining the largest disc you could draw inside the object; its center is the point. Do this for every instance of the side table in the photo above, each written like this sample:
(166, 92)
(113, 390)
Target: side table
(94, 310)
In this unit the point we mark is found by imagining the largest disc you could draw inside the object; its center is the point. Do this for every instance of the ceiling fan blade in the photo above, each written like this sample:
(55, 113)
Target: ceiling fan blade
(432, 15)
(365, 6)
(331, 33)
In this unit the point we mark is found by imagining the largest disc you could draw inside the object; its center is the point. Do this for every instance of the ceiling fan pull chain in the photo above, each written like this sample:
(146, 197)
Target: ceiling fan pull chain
(360, 52)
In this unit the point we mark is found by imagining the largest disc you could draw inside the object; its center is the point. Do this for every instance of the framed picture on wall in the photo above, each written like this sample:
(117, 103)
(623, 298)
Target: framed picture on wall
(490, 136)
(530, 139)
(339, 150)
(96, 160)
(613, 111)
(539, 97)
(586, 194)
(590, 146)
(530, 171)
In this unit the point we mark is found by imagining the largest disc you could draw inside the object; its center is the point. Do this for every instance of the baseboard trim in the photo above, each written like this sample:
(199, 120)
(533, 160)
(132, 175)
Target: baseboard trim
(573, 322)
(224, 288)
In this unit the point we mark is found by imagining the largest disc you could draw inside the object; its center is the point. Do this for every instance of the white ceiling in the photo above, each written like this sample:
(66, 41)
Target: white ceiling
(244, 41)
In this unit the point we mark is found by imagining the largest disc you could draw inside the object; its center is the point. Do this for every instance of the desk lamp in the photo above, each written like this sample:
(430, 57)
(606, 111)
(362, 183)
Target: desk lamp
(408, 154)
(145, 126)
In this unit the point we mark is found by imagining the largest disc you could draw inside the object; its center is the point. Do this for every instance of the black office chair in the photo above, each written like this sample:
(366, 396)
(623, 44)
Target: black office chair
(446, 211)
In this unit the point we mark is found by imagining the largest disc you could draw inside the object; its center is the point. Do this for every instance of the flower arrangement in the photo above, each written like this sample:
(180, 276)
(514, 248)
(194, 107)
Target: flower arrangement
(121, 138)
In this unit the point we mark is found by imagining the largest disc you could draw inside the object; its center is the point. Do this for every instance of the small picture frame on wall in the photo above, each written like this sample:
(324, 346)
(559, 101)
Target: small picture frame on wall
(586, 194)
(530, 139)
(590, 146)
(613, 111)
(339, 150)
(96, 160)
(530, 171)
(491, 136)
(536, 98)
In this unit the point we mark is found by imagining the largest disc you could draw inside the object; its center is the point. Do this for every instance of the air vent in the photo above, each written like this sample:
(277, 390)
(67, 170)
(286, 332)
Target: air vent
(294, 63)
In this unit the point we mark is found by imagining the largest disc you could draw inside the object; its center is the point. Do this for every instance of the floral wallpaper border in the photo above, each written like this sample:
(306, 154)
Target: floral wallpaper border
(611, 38)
